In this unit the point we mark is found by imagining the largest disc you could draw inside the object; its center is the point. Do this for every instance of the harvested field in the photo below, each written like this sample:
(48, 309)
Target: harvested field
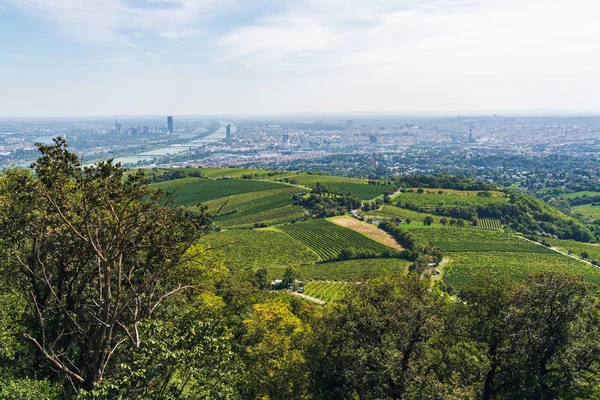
(367, 229)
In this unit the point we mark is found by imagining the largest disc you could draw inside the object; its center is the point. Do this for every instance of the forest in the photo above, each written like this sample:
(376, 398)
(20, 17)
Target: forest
(110, 289)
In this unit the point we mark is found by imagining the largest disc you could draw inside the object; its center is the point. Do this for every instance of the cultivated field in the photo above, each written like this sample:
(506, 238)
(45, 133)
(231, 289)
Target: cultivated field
(463, 267)
(487, 223)
(326, 291)
(367, 229)
(191, 191)
(328, 239)
(353, 270)
(253, 249)
(575, 248)
(266, 206)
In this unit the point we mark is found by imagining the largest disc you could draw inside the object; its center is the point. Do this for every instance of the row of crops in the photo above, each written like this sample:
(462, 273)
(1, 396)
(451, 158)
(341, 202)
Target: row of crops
(328, 239)
(326, 291)
(253, 249)
(487, 223)
(191, 191)
(266, 207)
(452, 239)
(465, 266)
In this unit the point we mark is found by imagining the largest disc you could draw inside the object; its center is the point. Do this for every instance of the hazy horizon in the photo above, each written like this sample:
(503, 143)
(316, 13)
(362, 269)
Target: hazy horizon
(70, 58)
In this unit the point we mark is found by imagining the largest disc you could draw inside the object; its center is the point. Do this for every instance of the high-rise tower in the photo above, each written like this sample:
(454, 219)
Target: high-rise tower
(170, 124)
(228, 131)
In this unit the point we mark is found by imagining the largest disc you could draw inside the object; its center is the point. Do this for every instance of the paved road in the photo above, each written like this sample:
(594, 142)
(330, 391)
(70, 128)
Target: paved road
(320, 302)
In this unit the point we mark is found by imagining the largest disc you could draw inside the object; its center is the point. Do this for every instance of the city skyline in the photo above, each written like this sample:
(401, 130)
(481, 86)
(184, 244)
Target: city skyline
(202, 57)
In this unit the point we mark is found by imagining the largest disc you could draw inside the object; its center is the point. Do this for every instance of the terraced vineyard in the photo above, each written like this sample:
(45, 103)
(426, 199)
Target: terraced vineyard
(465, 266)
(326, 291)
(388, 211)
(486, 223)
(328, 239)
(469, 239)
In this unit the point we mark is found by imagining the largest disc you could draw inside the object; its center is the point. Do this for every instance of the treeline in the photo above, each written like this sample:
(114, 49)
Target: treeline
(414, 246)
(174, 173)
(327, 202)
(445, 181)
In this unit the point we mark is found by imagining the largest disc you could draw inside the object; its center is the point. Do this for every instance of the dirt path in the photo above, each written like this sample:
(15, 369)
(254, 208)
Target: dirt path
(302, 295)
(367, 229)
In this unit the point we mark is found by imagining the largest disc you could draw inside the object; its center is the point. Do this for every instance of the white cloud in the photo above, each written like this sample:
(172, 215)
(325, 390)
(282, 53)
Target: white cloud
(119, 20)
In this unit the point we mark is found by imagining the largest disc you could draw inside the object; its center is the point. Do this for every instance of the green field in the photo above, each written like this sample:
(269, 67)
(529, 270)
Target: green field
(191, 191)
(258, 248)
(580, 194)
(470, 239)
(326, 291)
(266, 206)
(328, 239)
(358, 187)
(463, 267)
(575, 248)
(432, 199)
(587, 210)
(351, 270)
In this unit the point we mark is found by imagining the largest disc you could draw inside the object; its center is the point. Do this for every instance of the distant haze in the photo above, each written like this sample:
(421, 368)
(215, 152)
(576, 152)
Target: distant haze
(203, 57)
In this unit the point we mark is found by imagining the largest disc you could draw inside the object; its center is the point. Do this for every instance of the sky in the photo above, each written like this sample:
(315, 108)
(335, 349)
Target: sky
(265, 57)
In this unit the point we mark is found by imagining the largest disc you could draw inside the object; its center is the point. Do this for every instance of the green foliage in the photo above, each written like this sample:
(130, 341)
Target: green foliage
(357, 187)
(328, 239)
(349, 271)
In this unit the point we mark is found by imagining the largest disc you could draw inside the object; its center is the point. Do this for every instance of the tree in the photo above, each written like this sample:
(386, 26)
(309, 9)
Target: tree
(555, 330)
(585, 254)
(91, 246)
(444, 221)
(274, 342)
(428, 220)
(289, 277)
(261, 278)
(460, 223)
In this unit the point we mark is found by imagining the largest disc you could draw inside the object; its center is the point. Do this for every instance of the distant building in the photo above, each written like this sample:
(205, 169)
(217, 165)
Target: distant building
(228, 130)
(145, 130)
(117, 128)
(170, 124)
(373, 139)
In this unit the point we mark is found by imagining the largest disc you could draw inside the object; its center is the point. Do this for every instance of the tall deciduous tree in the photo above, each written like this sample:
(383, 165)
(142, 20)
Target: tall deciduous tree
(92, 246)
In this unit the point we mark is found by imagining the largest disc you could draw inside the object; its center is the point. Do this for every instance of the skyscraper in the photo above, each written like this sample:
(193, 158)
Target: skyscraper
(117, 127)
(170, 124)
(228, 130)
